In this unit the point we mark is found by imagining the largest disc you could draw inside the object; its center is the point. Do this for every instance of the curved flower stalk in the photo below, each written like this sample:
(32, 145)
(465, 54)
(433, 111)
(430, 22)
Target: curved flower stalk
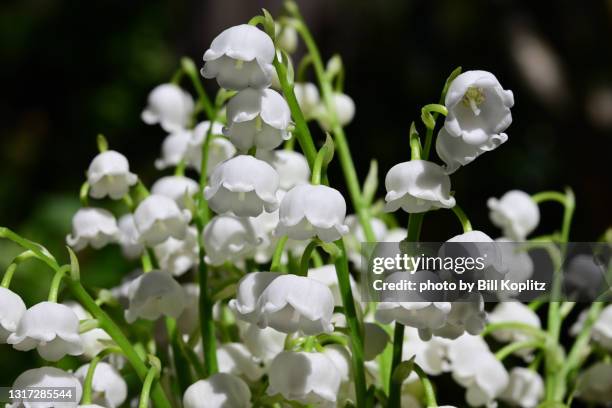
(514, 312)
(219, 148)
(108, 385)
(169, 106)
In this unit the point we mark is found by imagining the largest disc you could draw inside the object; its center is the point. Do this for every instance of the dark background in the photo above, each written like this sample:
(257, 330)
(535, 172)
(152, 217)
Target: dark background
(72, 69)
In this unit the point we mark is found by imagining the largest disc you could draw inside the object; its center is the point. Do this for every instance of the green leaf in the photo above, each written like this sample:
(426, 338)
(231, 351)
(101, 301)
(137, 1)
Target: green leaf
(102, 143)
(371, 183)
(188, 66)
(75, 270)
(403, 371)
(329, 150)
(268, 24)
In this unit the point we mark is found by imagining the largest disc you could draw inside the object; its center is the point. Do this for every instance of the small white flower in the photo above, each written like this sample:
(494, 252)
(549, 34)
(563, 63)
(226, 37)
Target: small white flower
(158, 218)
(170, 106)
(219, 148)
(47, 377)
(344, 107)
(240, 57)
(584, 277)
(309, 378)
(175, 148)
(467, 315)
(430, 355)
(109, 175)
(257, 118)
(513, 312)
(421, 315)
(595, 383)
(602, 329)
(475, 244)
(92, 226)
(108, 387)
(341, 357)
(235, 358)
(95, 340)
(417, 186)
(312, 210)
(243, 185)
(12, 309)
(515, 213)
(177, 256)
(220, 390)
(128, 237)
(228, 238)
(175, 187)
(478, 107)
(525, 388)
(154, 294)
(51, 328)
(265, 343)
(287, 303)
(456, 152)
(286, 37)
(307, 95)
(292, 167)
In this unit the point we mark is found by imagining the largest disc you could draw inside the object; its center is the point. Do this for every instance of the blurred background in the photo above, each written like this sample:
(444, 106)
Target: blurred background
(72, 69)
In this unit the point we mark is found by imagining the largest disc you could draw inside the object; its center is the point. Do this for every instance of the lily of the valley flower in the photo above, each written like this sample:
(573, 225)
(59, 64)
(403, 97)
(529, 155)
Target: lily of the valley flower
(513, 311)
(258, 118)
(286, 37)
(240, 57)
(109, 175)
(170, 106)
(128, 237)
(515, 213)
(312, 210)
(421, 315)
(228, 238)
(175, 187)
(12, 309)
(265, 343)
(309, 378)
(287, 303)
(154, 294)
(478, 107)
(177, 256)
(175, 148)
(94, 340)
(220, 390)
(243, 185)
(158, 218)
(47, 377)
(219, 149)
(344, 107)
(602, 329)
(417, 186)
(292, 167)
(456, 152)
(50, 328)
(108, 387)
(467, 315)
(307, 95)
(525, 388)
(93, 226)
(236, 359)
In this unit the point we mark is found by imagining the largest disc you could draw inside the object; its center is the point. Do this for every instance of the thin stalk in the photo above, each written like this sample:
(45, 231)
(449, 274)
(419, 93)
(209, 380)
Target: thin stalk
(87, 384)
(181, 363)
(146, 387)
(514, 347)
(56, 282)
(518, 326)
(305, 261)
(10, 270)
(428, 389)
(463, 219)
(278, 254)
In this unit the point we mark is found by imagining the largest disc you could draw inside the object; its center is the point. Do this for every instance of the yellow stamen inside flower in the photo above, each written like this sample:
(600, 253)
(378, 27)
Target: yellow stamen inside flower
(239, 64)
(473, 98)
(258, 123)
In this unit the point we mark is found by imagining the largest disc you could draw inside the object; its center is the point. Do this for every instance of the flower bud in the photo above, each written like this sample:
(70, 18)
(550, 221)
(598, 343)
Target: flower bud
(515, 213)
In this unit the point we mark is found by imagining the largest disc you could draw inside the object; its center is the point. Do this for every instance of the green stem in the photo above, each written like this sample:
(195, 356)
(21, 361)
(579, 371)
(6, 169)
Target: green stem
(317, 167)
(463, 219)
(305, 261)
(428, 390)
(181, 363)
(146, 387)
(396, 359)
(10, 270)
(56, 282)
(548, 196)
(278, 254)
(355, 332)
(146, 262)
(207, 325)
(526, 328)
(190, 69)
(415, 143)
(87, 384)
(514, 347)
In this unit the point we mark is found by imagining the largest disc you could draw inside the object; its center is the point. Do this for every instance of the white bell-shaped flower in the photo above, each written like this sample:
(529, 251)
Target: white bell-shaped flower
(94, 340)
(467, 315)
(417, 186)
(292, 167)
(219, 148)
(308, 98)
(344, 107)
(312, 210)
(257, 118)
(92, 226)
(109, 175)
(108, 387)
(602, 329)
(177, 256)
(12, 309)
(513, 312)
(47, 377)
(243, 185)
(50, 328)
(220, 390)
(341, 357)
(515, 213)
(478, 107)
(475, 244)
(595, 383)
(175, 148)
(240, 57)
(170, 106)
(131, 248)
(236, 359)
(456, 152)
(228, 238)
(421, 315)
(286, 37)
(265, 343)
(430, 355)
(175, 187)
(308, 378)
(525, 388)
(158, 218)
(154, 294)
(287, 303)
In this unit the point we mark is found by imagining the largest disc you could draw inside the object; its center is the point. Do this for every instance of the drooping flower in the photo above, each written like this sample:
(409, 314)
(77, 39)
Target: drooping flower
(243, 185)
(94, 340)
(475, 244)
(170, 106)
(158, 218)
(175, 148)
(430, 355)
(240, 57)
(292, 167)
(344, 108)
(265, 343)
(341, 357)
(220, 390)
(417, 186)
(515, 213)
(525, 388)
(175, 187)
(51, 328)
(12, 309)
(109, 175)
(92, 226)
(478, 107)
(228, 238)
(287, 303)
(219, 149)
(286, 37)
(585, 277)
(456, 152)
(513, 312)
(108, 387)
(154, 294)
(602, 329)
(307, 95)
(257, 118)
(309, 378)
(47, 377)
(128, 237)
(235, 358)
(467, 315)
(425, 316)
(177, 256)
(312, 210)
